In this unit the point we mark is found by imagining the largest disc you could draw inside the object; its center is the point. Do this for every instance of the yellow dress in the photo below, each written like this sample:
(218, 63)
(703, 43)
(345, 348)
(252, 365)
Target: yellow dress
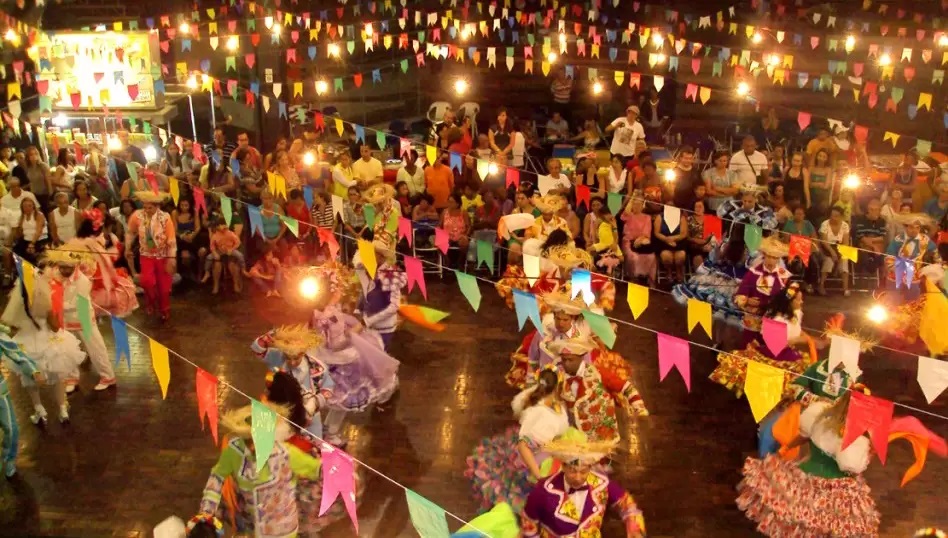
(931, 327)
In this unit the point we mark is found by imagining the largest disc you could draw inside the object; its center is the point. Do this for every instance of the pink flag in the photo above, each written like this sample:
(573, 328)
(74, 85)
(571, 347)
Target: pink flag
(404, 147)
(415, 274)
(404, 230)
(197, 151)
(869, 414)
(674, 352)
(441, 240)
(205, 386)
(775, 335)
(803, 120)
(327, 237)
(152, 181)
(338, 479)
(199, 202)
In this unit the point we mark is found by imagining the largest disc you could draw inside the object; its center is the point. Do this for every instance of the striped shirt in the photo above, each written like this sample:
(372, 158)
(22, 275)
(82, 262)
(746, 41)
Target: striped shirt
(324, 218)
(561, 90)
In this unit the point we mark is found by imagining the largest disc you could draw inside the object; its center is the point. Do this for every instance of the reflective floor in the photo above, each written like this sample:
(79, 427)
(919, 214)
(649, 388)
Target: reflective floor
(130, 459)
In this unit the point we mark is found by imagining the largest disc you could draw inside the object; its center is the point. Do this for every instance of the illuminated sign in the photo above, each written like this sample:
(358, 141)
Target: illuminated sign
(99, 69)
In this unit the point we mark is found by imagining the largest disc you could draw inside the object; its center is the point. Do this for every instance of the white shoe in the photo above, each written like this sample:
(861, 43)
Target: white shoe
(104, 383)
(39, 417)
(63, 414)
(70, 389)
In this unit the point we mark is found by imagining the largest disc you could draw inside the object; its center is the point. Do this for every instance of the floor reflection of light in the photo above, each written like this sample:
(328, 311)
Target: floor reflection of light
(633, 433)
(461, 390)
(446, 435)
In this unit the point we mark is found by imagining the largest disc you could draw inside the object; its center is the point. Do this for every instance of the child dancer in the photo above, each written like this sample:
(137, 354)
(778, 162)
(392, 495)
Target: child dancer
(382, 295)
(11, 433)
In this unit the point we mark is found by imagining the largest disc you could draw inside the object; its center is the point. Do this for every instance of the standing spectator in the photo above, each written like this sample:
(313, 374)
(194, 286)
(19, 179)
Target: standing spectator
(500, 134)
(40, 179)
(158, 250)
(63, 175)
(869, 233)
(824, 142)
(654, 116)
(905, 176)
(243, 143)
(216, 176)
(778, 164)
(252, 179)
(439, 182)
(281, 145)
(367, 170)
(590, 136)
(483, 151)
(686, 178)
(220, 144)
(343, 178)
(628, 131)
(796, 185)
(172, 164)
(561, 89)
(619, 181)
(720, 182)
(135, 153)
(97, 169)
(436, 137)
(353, 221)
(809, 272)
(324, 218)
(412, 174)
(821, 186)
(749, 164)
(834, 231)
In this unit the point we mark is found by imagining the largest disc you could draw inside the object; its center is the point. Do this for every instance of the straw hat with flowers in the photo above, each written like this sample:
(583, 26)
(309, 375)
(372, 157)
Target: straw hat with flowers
(560, 301)
(569, 258)
(914, 219)
(574, 448)
(378, 193)
(550, 203)
(577, 345)
(295, 339)
(771, 246)
(152, 197)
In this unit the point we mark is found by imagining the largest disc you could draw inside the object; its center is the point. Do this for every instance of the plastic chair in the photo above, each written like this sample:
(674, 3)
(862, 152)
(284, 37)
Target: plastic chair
(427, 252)
(436, 111)
(470, 109)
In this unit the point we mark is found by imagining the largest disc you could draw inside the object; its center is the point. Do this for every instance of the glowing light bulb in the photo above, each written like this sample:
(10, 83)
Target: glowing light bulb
(562, 39)
(151, 154)
(321, 87)
(743, 89)
(333, 50)
(774, 60)
(669, 175)
(658, 39)
(268, 22)
(492, 169)
(852, 182)
(943, 40)
(114, 143)
(192, 83)
(309, 288)
(60, 120)
(660, 58)
(309, 158)
(277, 29)
(369, 30)
(460, 86)
(184, 28)
(877, 314)
(205, 78)
(10, 35)
(850, 43)
(885, 60)
(233, 43)
(552, 57)
(597, 88)
(756, 38)
(464, 34)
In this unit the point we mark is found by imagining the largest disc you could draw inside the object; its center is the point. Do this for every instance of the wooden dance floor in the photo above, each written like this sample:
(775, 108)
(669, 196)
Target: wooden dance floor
(130, 459)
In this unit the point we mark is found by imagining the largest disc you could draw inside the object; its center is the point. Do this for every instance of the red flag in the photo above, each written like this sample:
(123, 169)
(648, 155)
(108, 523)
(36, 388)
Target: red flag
(77, 149)
(76, 99)
(199, 202)
(357, 78)
(205, 386)
(254, 39)
(869, 414)
(415, 274)
(582, 195)
(56, 297)
(712, 226)
(800, 248)
(338, 481)
(318, 121)
(803, 120)
(513, 178)
(326, 237)
(132, 91)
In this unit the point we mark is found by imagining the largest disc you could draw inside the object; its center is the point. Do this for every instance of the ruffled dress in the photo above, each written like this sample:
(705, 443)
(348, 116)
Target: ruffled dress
(732, 366)
(57, 353)
(496, 468)
(715, 282)
(549, 281)
(363, 373)
(822, 496)
(112, 289)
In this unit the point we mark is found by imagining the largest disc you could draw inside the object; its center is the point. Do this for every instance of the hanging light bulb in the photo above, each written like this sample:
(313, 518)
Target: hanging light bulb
(185, 28)
(597, 88)
(850, 43)
(885, 60)
(743, 89)
(309, 158)
(877, 314)
(563, 40)
(10, 35)
(660, 58)
(852, 182)
(277, 29)
(321, 87)
(233, 42)
(151, 154)
(465, 34)
(492, 169)
(756, 38)
(552, 57)
(460, 86)
(943, 40)
(658, 39)
(669, 175)
(192, 83)
(114, 144)
(369, 30)
(333, 50)
(309, 288)
(774, 60)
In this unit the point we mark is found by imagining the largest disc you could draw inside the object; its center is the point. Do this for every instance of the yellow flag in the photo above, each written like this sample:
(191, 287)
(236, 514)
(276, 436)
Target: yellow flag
(925, 101)
(340, 127)
(367, 255)
(705, 94)
(281, 186)
(28, 276)
(13, 90)
(117, 26)
(763, 387)
(431, 154)
(159, 362)
(699, 313)
(620, 77)
(297, 89)
(272, 182)
(544, 67)
(847, 252)
(637, 297)
(892, 137)
(173, 187)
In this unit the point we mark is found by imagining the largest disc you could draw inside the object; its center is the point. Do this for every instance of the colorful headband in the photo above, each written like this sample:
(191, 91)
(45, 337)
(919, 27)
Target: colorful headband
(98, 220)
(552, 368)
(209, 520)
(793, 289)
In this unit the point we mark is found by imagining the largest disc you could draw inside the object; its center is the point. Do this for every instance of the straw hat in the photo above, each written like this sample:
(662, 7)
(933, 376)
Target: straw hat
(771, 246)
(71, 253)
(920, 219)
(567, 257)
(550, 203)
(759, 190)
(152, 197)
(578, 345)
(238, 421)
(560, 301)
(573, 447)
(378, 193)
(295, 339)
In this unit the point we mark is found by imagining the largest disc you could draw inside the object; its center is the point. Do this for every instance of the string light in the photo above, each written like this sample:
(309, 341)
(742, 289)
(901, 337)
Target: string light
(669, 175)
(658, 39)
(233, 43)
(850, 43)
(852, 182)
(877, 314)
(333, 50)
(309, 288)
(151, 154)
(184, 28)
(321, 87)
(774, 60)
(743, 89)
(597, 88)
(114, 144)
(756, 38)
(885, 60)
(552, 57)
(192, 83)
(309, 159)
(460, 86)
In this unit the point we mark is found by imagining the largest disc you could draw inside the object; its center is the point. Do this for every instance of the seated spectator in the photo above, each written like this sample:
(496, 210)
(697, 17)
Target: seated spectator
(869, 233)
(556, 181)
(412, 174)
(652, 187)
(403, 197)
(619, 180)
(324, 218)
(591, 220)
(425, 218)
(671, 245)
(847, 202)
(778, 163)
(470, 201)
(267, 273)
(485, 220)
(457, 223)
(637, 240)
(439, 181)
(905, 176)
(778, 202)
(808, 271)
(604, 246)
(482, 150)
(225, 250)
(367, 170)
(590, 136)
(937, 207)
(556, 128)
(834, 231)
(698, 245)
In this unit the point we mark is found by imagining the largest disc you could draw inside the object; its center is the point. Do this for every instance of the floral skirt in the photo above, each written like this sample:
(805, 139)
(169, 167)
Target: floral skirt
(732, 366)
(715, 284)
(497, 471)
(121, 300)
(785, 502)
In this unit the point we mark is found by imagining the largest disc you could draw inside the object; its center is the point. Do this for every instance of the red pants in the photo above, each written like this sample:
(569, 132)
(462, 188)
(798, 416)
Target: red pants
(156, 282)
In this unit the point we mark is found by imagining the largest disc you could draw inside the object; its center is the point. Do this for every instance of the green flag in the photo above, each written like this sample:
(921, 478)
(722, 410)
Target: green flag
(601, 327)
(485, 254)
(470, 289)
(369, 211)
(84, 310)
(426, 516)
(263, 431)
(292, 224)
(614, 202)
(227, 210)
(753, 235)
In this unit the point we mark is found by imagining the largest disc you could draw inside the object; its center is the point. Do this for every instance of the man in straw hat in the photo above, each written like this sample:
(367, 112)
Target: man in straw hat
(573, 501)
(544, 225)
(387, 210)
(157, 249)
(63, 270)
(288, 349)
(764, 279)
(592, 409)
(908, 250)
(381, 295)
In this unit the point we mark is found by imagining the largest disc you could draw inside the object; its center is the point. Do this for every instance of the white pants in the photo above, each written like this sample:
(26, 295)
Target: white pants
(98, 354)
(335, 421)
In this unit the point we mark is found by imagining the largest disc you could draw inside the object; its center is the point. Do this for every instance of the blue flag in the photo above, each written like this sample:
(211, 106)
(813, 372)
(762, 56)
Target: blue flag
(256, 221)
(308, 196)
(235, 167)
(527, 308)
(120, 334)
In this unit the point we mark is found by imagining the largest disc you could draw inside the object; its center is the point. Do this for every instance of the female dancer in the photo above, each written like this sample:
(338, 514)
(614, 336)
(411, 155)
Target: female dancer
(381, 295)
(9, 431)
(112, 288)
(505, 467)
(42, 336)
